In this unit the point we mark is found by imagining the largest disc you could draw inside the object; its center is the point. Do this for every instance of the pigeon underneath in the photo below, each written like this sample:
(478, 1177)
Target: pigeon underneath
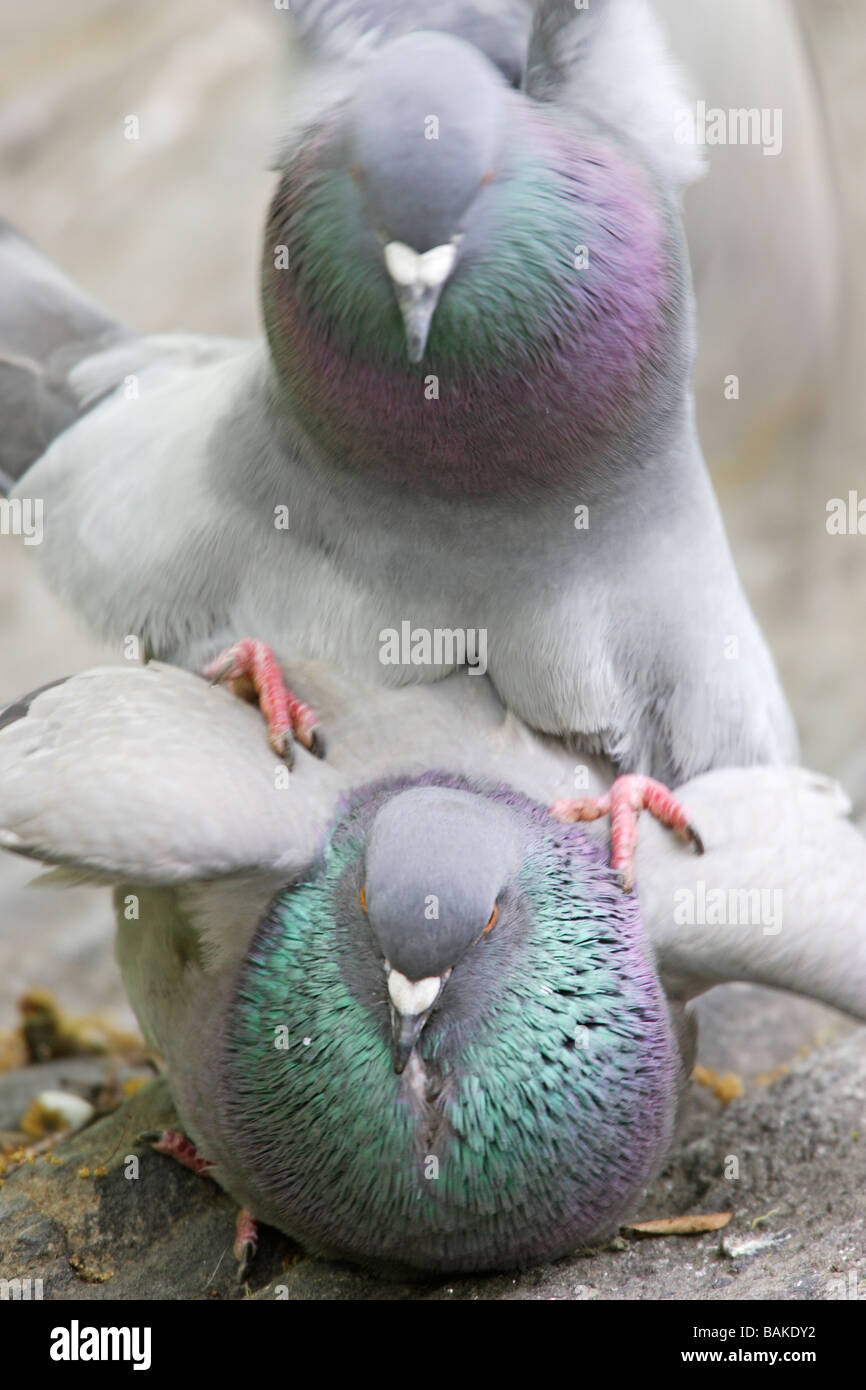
(439, 1035)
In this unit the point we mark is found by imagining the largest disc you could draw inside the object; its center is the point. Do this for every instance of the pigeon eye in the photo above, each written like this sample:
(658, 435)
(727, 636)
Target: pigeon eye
(493, 916)
(363, 898)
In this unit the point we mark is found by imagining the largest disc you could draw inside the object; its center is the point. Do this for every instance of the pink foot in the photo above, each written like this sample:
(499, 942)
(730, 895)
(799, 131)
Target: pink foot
(246, 1241)
(253, 670)
(623, 803)
(178, 1147)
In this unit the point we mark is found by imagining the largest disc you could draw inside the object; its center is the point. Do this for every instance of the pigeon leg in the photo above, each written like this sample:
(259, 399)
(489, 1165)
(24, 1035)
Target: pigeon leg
(252, 669)
(246, 1242)
(178, 1147)
(624, 802)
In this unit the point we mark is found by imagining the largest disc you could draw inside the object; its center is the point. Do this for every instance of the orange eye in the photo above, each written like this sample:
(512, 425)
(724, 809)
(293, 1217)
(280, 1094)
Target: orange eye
(363, 900)
(493, 916)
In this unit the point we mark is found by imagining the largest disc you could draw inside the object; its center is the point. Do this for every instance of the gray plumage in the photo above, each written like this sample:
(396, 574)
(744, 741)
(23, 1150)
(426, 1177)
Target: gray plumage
(461, 851)
(47, 326)
(631, 637)
(343, 30)
(149, 775)
(383, 137)
(148, 778)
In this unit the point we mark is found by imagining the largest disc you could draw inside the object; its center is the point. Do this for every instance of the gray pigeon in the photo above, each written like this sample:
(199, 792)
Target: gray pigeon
(437, 1037)
(469, 435)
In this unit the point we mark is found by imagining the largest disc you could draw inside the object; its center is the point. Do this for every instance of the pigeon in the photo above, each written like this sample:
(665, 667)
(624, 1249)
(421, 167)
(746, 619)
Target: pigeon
(471, 417)
(440, 1036)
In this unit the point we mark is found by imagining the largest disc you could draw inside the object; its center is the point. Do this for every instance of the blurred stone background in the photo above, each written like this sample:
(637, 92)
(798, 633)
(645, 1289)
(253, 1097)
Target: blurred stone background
(164, 231)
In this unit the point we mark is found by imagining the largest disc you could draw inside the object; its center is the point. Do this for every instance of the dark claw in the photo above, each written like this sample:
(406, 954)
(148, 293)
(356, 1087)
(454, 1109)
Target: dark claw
(222, 672)
(149, 1136)
(245, 1259)
(317, 743)
(695, 839)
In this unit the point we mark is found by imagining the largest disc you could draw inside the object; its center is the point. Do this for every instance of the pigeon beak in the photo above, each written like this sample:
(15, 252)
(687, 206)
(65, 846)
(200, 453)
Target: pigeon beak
(417, 310)
(411, 1005)
(405, 1033)
(418, 282)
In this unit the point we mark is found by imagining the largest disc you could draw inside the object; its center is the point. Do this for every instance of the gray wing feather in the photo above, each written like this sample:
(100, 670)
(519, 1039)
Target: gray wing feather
(611, 61)
(61, 354)
(47, 325)
(349, 29)
(148, 774)
(778, 898)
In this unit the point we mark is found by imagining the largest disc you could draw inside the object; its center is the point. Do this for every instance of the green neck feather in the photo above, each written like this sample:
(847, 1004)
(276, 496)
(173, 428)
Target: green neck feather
(530, 1115)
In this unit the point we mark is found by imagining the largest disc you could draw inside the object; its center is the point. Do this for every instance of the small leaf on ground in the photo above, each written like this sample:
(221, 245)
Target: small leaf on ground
(680, 1225)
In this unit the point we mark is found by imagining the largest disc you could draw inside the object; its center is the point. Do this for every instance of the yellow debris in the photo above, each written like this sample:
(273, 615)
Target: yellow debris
(725, 1088)
(133, 1084)
(48, 1032)
(766, 1078)
(13, 1050)
(89, 1273)
(41, 1119)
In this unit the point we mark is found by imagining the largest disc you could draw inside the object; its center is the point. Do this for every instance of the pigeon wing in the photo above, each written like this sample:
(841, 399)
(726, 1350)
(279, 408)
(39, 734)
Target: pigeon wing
(349, 30)
(48, 325)
(610, 59)
(779, 896)
(148, 774)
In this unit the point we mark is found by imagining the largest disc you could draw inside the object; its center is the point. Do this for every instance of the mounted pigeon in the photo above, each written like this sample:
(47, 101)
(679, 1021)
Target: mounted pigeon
(436, 1034)
(472, 419)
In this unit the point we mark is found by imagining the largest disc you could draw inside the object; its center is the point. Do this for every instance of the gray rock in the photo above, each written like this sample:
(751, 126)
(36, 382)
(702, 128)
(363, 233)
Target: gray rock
(82, 1076)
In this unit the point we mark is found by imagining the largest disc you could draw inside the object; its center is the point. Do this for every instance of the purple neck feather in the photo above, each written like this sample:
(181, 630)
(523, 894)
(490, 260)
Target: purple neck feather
(542, 353)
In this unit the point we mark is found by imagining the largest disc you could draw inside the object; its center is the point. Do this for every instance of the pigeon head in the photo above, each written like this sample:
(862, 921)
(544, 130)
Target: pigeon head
(425, 133)
(464, 290)
(477, 1067)
(439, 867)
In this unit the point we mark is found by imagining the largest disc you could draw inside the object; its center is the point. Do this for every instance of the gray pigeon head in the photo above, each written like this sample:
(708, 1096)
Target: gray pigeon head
(426, 126)
(425, 134)
(437, 862)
